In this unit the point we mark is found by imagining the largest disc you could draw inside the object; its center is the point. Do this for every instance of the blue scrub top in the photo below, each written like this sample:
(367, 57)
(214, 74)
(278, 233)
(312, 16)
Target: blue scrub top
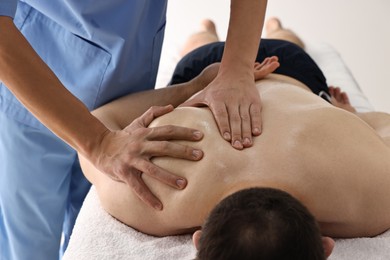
(99, 49)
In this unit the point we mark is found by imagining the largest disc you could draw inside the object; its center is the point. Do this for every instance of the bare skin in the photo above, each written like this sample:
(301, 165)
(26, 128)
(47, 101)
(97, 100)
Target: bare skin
(330, 159)
(207, 34)
(275, 30)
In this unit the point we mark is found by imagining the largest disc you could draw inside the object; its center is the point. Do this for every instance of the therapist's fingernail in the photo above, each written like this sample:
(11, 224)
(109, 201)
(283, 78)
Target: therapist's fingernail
(197, 154)
(197, 134)
(247, 141)
(226, 136)
(256, 131)
(238, 145)
(181, 183)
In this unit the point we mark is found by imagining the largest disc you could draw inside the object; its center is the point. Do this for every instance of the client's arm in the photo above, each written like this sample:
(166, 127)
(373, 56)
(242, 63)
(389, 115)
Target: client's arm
(119, 113)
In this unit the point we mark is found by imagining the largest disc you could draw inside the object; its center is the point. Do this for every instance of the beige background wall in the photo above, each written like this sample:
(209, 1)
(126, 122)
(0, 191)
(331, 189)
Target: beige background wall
(358, 29)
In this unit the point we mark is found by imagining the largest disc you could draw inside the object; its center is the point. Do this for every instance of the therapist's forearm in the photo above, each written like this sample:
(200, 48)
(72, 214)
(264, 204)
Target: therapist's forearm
(41, 92)
(243, 38)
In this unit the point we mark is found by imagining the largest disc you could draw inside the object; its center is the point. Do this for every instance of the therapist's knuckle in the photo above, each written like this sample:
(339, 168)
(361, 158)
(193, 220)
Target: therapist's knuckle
(153, 111)
(224, 127)
(245, 117)
(150, 111)
(133, 149)
(151, 169)
(164, 145)
(247, 132)
(152, 133)
(256, 113)
(115, 176)
(170, 130)
(219, 111)
(224, 124)
(236, 135)
(235, 118)
(147, 116)
(138, 132)
(255, 110)
(120, 173)
(186, 151)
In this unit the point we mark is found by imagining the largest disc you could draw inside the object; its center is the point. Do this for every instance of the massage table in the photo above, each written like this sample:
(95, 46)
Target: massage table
(99, 236)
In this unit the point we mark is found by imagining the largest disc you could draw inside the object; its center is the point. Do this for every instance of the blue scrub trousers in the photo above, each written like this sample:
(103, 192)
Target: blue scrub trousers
(41, 183)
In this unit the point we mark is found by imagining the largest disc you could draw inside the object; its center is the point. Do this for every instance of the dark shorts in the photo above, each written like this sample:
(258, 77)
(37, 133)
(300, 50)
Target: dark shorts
(294, 62)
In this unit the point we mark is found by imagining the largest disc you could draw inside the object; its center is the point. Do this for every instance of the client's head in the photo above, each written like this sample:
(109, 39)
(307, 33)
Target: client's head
(261, 223)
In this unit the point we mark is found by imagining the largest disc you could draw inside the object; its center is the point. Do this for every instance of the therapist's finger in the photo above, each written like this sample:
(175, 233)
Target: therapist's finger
(235, 126)
(162, 175)
(246, 126)
(220, 113)
(146, 118)
(256, 119)
(134, 180)
(170, 149)
(171, 132)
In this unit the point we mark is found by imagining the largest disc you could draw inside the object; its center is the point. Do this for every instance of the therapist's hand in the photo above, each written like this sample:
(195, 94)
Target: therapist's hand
(126, 154)
(235, 102)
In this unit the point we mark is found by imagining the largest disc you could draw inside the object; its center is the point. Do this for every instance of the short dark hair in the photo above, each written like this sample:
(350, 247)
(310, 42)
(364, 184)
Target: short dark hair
(260, 223)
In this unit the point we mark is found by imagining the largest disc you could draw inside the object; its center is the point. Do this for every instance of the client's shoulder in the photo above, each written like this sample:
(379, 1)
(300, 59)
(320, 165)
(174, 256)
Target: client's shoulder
(193, 117)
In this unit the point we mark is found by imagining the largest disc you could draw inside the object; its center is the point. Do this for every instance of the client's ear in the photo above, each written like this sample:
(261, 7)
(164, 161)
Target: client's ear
(328, 244)
(196, 238)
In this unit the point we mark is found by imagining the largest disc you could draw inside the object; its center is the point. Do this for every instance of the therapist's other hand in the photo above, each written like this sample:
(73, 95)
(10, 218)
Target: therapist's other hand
(126, 154)
(235, 102)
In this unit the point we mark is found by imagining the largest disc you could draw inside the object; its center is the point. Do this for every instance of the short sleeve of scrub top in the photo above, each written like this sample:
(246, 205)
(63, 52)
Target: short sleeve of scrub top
(100, 50)
(8, 8)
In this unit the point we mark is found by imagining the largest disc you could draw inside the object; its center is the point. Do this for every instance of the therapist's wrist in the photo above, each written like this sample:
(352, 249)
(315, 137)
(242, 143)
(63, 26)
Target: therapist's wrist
(90, 146)
(236, 65)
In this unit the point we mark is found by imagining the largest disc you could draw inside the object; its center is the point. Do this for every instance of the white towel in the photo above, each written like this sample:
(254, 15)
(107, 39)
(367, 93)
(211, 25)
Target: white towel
(99, 236)
(376, 248)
